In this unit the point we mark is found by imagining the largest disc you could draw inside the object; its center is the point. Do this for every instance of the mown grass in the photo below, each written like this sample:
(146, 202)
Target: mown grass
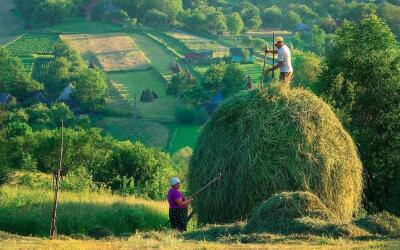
(159, 57)
(150, 133)
(173, 240)
(26, 211)
(134, 82)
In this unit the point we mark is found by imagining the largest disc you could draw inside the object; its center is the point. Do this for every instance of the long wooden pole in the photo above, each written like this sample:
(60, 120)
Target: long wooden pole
(57, 178)
(273, 54)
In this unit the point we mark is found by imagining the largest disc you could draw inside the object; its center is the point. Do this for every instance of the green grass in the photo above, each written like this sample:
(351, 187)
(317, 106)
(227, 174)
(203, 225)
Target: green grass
(151, 134)
(173, 43)
(134, 82)
(27, 211)
(182, 135)
(158, 56)
(31, 44)
(80, 25)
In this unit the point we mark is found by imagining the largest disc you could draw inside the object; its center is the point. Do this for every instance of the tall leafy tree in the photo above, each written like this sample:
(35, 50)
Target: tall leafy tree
(234, 79)
(362, 81)
(235, 25)
(217, 23)
(90, 89)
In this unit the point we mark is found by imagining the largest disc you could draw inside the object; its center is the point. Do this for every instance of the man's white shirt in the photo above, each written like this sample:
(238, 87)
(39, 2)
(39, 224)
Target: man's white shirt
(285, 56)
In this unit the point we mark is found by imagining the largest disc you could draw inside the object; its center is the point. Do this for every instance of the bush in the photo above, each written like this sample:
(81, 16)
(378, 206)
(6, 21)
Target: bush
(100, 232)
(266, 142)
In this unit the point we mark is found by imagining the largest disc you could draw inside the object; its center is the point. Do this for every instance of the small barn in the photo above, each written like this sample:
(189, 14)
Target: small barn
(239, 55)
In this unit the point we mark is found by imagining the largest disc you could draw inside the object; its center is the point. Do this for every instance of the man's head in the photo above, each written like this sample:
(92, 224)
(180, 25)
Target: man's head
(175, 183)
(278, 42)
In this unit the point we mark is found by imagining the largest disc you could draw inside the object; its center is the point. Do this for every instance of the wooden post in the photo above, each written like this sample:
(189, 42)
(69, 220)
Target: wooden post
(134, 108)
(56, 183)
(273, 55)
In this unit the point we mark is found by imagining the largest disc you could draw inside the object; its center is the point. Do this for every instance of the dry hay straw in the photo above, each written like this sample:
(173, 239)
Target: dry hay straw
(273, 141)
(115, 52)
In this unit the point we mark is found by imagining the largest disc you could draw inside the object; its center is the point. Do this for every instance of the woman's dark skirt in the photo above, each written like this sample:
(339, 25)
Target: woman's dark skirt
(178, 218)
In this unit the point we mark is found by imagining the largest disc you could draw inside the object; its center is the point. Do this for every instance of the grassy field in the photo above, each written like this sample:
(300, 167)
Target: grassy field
(182, 135)
(172, 240)
(134, 82)
(159, 57)
(26, 211)
(196, 43)
(150, 133)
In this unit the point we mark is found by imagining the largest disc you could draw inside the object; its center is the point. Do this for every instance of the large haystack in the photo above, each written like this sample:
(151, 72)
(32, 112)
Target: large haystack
(269, 142)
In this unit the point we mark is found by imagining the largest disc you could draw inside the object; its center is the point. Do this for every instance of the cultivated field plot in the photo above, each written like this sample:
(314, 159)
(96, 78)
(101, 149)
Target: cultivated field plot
(31, 44)
(115, 52)
(196, 43)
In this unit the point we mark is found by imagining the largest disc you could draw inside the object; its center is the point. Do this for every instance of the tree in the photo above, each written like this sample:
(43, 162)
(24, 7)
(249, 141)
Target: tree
(308, 70)
(212, 80)
(90, 89)
(59, 74)
(318, 40)
(292, 18)
(272, 16)
(235, 25)
(13, 77)
(254, 23)
(217, 23)
(391, 14)
(50, 12)
(362, 82)
(234, 79)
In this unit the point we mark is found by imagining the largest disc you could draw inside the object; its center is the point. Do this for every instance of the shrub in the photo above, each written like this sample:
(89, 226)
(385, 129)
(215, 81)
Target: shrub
(266, 142)
(100, 232)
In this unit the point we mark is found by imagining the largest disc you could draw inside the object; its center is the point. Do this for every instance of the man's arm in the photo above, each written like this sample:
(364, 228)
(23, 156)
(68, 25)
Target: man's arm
(272, 51)
(280, 64)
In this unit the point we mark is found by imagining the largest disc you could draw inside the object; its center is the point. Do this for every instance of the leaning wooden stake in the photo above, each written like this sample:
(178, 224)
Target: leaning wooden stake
(57, 178)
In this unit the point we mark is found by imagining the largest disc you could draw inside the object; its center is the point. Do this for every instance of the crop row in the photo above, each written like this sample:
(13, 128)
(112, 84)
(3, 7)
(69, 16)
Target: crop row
(31, 44)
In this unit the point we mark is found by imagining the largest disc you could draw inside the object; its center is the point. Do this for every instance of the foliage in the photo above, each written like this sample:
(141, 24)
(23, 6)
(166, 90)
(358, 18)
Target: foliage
(213, 77)
(308, 69)
(217, 23)
(273, 141)
(13, 77)
(133, 168)
(234, 24)
(234, 79)
(90, 89)
(100, 232)
(362, 83)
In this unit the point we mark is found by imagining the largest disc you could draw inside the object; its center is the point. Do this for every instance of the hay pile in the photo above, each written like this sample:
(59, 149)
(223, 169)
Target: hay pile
(269, 142)
(286, 211)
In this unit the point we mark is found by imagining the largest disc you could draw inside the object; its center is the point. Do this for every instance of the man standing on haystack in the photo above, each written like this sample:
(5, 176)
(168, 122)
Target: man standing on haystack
(284, 61)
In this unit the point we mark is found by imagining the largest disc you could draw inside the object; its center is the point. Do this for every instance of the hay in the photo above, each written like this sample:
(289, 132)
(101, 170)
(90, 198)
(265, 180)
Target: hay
(383, 223)
(281, 211)
(269, 142)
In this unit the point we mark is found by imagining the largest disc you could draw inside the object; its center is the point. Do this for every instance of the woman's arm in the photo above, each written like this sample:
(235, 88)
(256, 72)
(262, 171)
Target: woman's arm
(182, 203)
